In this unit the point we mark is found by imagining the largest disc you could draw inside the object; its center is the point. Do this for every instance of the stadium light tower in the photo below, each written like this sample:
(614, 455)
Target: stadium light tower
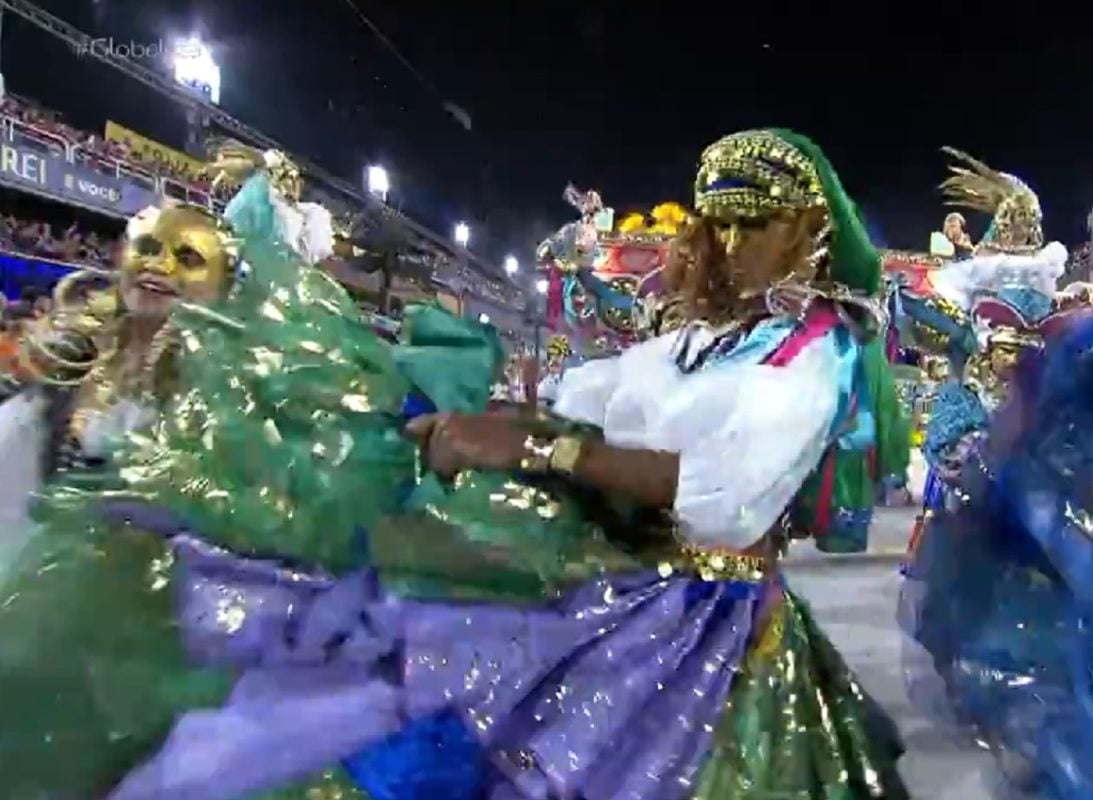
(379, 184)
(512, 266)
(194, 67)
(462, 234)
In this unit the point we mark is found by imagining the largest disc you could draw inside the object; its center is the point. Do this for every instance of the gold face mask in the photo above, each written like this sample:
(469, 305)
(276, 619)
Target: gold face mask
(178, 253)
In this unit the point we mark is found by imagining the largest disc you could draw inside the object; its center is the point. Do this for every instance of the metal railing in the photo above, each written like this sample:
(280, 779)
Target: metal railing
(121, 169)
(48, 140)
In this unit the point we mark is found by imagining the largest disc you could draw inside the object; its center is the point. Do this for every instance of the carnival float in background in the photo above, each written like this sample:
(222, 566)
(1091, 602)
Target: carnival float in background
(598, 269)
(917, 374)
(919, 371)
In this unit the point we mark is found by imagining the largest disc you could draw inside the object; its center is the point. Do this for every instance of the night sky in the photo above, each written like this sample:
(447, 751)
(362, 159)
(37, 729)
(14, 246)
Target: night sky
(615, 96)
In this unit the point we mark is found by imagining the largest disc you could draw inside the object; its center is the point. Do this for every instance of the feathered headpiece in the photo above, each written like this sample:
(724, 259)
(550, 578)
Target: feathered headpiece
(1017, 221)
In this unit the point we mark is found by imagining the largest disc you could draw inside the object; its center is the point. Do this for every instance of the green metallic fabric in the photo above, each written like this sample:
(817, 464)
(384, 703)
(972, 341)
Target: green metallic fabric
(855, 262)
(92, 671)
(893, 447)
(502, 537)
(451, 360)
(285, 438)
(797, 726)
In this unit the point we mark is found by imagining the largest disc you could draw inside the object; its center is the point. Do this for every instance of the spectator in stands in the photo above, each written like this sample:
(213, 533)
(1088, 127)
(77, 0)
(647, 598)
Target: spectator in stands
(42, 304)
(23, 308)
(73, 246)
(93, 149)
(36, 237)
(14, 320)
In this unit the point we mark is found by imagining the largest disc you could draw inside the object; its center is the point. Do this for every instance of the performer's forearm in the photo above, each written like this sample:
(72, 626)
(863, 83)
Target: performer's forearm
(648, 477)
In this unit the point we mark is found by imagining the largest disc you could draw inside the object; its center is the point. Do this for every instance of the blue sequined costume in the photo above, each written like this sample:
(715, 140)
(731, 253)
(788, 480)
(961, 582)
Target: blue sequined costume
(957, 412)
(999, 589)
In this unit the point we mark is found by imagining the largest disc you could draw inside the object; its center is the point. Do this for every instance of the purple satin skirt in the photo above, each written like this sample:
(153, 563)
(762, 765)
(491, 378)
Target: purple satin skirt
(610, 692)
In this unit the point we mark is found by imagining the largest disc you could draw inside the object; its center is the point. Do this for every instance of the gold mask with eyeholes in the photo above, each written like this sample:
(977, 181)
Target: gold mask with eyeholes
(181, 244)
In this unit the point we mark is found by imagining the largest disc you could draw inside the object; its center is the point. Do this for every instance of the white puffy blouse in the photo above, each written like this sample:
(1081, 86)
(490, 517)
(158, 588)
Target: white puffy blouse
(747, 433)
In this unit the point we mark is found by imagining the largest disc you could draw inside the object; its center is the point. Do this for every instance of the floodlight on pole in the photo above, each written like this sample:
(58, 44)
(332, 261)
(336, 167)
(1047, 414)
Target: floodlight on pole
(512, 266)
(462, 234)
(379, 183)
(193, 66)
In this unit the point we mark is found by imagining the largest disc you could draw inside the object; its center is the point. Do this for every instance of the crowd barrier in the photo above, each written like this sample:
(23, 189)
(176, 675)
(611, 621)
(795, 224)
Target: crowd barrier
(46, 163)
(18, 271)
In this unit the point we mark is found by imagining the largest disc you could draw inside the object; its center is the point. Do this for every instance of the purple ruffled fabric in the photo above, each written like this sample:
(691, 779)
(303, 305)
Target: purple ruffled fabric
(567, 698)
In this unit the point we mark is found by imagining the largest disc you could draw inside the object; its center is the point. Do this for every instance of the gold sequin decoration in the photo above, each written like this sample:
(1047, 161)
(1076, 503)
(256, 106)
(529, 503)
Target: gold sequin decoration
(714, 564)
(753, 174)
(521, 497)
(932, 339)
(774, 630)
(794, 725)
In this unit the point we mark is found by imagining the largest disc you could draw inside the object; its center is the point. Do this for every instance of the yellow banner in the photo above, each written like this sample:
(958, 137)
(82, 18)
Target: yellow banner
(153, 151)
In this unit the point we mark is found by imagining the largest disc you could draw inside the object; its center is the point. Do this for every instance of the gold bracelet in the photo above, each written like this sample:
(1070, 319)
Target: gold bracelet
(566, 452)
(557, 455)
(538, 455)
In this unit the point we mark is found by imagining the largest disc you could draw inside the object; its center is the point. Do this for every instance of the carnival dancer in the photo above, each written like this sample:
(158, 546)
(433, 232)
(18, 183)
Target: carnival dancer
(267, 205)
(1012, 265)
(516, 384)
(103, 365)
(96, 367)
(988, 593)
(999, 593)
(93, 369)
(846, 495)
(715, 428)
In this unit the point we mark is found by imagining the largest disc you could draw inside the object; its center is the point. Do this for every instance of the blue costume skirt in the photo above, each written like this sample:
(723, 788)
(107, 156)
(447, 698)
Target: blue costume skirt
(1006, 646)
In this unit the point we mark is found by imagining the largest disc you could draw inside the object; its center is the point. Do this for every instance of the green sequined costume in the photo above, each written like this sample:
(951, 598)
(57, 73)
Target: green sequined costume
(284, 442)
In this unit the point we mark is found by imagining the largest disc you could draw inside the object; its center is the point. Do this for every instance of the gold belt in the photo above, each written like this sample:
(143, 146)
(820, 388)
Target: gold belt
(718, 564)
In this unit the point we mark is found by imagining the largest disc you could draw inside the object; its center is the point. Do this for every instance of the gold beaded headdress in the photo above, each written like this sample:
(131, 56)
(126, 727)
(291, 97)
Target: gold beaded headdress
(754, 174)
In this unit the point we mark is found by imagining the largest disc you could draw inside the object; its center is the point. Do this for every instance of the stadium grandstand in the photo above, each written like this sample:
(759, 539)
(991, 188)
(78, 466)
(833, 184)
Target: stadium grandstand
(67, 189)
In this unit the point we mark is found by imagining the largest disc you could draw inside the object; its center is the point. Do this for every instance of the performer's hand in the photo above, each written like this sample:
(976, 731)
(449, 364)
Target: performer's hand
(455, 442)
